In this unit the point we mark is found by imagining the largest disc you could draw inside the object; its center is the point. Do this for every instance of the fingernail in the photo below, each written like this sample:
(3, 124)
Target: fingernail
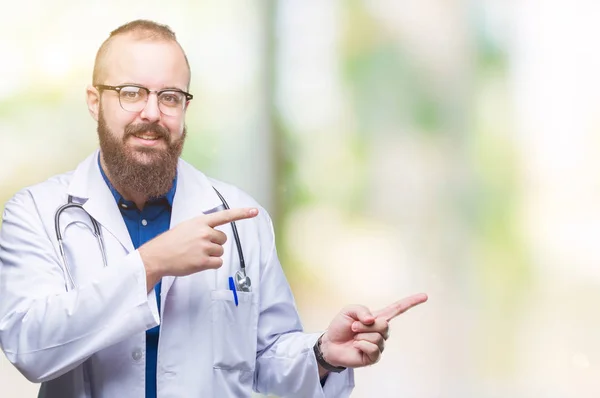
(253, 212)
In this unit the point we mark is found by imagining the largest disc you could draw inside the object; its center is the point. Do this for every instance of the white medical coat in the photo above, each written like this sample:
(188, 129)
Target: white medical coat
(90, 341)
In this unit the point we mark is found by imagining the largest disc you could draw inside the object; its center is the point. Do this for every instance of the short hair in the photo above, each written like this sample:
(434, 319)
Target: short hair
(143, 30)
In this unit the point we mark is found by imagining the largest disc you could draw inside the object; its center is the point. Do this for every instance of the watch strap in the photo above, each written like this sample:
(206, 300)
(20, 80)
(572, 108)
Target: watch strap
(321, 360)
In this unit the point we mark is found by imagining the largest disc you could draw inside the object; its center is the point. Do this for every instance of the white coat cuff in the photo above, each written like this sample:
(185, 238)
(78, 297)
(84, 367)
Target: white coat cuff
(338, 385)
(151, 317)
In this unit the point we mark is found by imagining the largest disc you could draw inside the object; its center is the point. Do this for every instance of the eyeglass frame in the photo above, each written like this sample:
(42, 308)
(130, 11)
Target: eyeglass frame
(101, 87)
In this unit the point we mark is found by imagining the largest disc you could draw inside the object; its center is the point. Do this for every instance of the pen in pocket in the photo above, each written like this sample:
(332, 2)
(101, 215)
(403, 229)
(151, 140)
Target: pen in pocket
(234, 290)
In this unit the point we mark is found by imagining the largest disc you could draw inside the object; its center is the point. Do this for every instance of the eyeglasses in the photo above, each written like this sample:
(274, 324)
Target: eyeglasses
(132, 98)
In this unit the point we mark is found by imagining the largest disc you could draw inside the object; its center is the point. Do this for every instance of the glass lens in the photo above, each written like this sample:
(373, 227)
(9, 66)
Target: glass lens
(171, 102)
(133, 98)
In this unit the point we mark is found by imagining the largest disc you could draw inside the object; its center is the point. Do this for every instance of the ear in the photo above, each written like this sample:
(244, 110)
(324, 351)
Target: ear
(93, 101)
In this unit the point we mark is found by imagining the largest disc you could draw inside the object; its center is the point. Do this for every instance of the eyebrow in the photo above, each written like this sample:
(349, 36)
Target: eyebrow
(160, 89)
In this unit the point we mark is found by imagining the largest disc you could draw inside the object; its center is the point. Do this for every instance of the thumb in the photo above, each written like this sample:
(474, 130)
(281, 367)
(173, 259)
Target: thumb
(360, 313)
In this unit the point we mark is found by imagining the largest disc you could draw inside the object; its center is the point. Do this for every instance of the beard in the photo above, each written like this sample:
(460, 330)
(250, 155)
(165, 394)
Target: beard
(141, 170)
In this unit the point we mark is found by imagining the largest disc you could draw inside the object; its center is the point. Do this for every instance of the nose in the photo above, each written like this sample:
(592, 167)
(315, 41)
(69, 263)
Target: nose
(151, 111)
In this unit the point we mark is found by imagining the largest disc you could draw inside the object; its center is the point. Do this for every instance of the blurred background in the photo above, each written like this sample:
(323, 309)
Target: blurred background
(444, 146)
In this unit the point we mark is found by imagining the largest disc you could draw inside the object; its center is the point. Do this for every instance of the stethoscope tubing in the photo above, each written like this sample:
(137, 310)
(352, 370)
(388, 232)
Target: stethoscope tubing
(242, 279)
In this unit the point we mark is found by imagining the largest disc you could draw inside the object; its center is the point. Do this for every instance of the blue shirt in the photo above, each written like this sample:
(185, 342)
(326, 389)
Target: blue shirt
(143, 226)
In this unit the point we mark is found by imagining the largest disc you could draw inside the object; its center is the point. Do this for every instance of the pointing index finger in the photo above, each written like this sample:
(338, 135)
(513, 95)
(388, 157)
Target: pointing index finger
(226, 216)
(399, 307)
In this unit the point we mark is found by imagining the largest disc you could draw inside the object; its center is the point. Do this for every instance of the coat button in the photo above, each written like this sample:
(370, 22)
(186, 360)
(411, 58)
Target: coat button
(137, 354)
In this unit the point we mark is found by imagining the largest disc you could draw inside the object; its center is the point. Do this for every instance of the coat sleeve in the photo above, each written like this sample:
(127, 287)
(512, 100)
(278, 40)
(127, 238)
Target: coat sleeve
(286, 365)
(46, 331)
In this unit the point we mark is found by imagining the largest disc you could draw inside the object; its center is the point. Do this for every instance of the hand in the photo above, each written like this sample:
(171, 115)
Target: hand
(190, 247)
(356, 337)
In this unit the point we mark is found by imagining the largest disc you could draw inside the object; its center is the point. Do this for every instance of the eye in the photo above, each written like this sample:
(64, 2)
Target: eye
(171, 98)
(131, 93)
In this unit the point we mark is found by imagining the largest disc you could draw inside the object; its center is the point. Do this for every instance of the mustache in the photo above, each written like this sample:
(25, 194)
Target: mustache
(136, 129)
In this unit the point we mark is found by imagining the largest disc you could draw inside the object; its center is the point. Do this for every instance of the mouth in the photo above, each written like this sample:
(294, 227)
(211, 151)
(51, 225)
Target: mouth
(147, 139)
(147, 136)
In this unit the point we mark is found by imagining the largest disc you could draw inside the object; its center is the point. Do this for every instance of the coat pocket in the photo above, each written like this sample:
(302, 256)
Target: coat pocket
(234, 330)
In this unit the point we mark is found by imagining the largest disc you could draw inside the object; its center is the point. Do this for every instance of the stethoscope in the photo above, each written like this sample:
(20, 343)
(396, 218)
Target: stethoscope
(242, 281)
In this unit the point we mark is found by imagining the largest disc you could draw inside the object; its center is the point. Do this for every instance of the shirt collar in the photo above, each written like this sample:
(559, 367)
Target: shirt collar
(170, 195)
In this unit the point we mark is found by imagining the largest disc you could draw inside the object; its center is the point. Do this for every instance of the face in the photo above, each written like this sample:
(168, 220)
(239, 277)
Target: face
(140, 150)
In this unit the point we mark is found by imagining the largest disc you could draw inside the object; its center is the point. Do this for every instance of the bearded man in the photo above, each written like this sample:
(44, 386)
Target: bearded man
(129, 277)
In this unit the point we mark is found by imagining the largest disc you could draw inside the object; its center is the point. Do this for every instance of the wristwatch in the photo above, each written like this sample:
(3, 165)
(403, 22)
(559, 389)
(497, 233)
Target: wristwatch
(321, 361)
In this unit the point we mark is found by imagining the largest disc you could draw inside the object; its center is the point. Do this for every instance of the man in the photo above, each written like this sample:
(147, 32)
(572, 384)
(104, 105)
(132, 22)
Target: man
(148, 304)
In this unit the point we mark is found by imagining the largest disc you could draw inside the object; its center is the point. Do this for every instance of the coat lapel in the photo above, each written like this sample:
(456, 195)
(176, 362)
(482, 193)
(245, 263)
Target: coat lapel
(194, 196)
(88, 187)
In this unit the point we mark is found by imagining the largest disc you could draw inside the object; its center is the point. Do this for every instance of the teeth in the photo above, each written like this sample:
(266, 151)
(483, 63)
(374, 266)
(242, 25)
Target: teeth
(147, 137)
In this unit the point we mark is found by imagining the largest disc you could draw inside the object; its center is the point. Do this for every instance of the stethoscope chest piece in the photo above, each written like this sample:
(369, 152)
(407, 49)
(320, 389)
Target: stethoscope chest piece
(242, 281)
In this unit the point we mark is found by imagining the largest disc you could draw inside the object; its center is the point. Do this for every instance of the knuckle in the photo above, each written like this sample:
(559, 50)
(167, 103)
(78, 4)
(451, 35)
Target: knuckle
(204, 233)
(200, 223)
(361, 308)
(205, 246)
(204, 262)
(359, 336)
(354, 307)
(214, 262)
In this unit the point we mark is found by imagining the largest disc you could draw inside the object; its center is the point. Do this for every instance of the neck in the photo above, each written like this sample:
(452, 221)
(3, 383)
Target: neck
(139, 199)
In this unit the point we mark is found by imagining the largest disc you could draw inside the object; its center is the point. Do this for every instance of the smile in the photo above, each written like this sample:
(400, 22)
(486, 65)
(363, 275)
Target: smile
(147, 137)
(147, 140)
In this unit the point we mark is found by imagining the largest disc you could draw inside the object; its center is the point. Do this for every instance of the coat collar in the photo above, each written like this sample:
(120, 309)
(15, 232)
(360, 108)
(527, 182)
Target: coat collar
(194, 196)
